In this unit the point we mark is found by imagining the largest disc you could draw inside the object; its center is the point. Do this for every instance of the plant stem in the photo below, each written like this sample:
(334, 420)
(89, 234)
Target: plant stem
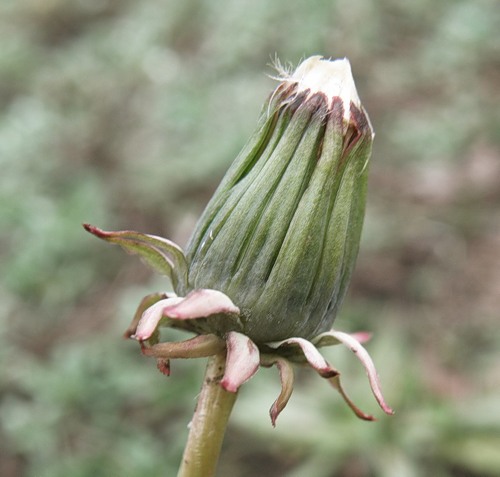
(209, 422)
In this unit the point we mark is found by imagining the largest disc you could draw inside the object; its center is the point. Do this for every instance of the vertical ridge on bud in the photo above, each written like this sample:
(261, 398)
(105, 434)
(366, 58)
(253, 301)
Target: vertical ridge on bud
(281, 234)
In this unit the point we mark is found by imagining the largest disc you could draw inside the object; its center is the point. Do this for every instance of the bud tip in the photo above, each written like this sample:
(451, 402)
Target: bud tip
(330, 77)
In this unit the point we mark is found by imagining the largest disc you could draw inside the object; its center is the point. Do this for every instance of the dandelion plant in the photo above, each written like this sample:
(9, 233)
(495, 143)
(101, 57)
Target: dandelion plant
(268, 265)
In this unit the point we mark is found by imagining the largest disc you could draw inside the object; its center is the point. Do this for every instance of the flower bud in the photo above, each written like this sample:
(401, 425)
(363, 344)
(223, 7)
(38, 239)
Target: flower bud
(281, 234)
(270, 260)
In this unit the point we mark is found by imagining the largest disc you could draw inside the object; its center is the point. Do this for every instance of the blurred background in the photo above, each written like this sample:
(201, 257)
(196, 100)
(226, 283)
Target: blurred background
(126, 114)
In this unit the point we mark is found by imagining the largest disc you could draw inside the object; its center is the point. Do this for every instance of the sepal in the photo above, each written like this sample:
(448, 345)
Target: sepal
(163, 255)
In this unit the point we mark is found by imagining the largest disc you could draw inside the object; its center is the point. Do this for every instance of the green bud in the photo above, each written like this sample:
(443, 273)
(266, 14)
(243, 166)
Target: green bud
(281, 234)
(269, 263)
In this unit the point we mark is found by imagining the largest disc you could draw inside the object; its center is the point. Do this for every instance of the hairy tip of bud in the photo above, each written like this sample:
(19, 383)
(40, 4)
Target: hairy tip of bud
(333, 78)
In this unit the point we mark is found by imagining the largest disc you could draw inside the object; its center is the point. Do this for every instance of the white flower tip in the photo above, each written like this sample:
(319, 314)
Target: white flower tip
(331, 77)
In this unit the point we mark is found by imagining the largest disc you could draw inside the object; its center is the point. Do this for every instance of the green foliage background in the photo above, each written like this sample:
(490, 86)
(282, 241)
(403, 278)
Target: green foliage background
(125, 114)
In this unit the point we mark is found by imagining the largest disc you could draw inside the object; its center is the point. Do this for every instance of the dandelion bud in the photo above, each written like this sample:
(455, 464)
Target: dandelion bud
(269, 262)
(281, 234)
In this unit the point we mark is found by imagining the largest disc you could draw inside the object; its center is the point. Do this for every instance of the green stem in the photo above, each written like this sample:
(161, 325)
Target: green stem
(209, 422)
